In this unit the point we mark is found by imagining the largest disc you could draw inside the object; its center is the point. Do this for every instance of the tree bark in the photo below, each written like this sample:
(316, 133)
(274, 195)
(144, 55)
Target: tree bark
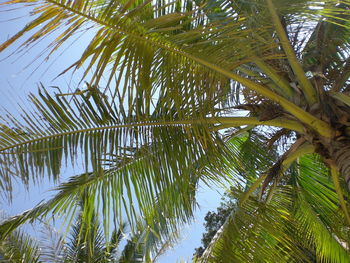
(340, 154)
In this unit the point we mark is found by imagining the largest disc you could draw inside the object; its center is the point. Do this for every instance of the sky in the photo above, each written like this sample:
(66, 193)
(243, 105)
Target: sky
(20, 75)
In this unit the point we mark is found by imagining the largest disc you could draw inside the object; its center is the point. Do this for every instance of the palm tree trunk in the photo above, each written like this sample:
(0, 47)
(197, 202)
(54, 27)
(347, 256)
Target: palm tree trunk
(340, 155)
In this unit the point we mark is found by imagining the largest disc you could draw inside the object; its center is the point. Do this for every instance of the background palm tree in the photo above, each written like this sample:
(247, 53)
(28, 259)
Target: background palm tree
(179, 76)
(19, 247)
(85, 243)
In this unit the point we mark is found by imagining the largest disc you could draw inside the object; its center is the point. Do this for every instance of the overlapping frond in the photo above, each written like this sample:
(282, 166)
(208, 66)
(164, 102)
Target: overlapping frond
(145, 43)
(318, 212)
(248, 233)
(300, 221)
(257, 231)
(59, 129)
(51, 243)
(203, 57)
(85, 242)
(171, 71)
(155, 46)
(132, 168)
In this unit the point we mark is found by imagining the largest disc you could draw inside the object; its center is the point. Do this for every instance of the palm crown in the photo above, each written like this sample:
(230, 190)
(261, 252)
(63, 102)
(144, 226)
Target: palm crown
(85, 244)
(179, 75)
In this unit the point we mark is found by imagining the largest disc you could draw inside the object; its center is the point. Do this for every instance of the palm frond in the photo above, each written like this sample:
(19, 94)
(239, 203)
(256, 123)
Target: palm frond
(57, 130)
(262, 228)
(305, 222)
(19, 247)
(134, 170)
(174, 70)
(318, 212)
(132, 165)
(87, 241)
(200, 53)
(51, 244)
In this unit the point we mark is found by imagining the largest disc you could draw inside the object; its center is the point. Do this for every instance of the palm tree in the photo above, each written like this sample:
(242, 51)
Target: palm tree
(85, 243)
(18, 247)
(179, 76)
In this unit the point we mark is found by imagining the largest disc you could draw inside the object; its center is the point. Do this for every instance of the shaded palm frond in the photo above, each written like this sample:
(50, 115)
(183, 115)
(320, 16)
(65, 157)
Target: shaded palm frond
(301, 216)
(262, 228)
(19, 247)
(51, 244)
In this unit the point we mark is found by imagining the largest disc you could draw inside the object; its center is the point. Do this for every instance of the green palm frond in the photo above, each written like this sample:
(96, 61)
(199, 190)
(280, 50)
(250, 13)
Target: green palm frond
(318, 212)
(133, 250)
(328, 247)
(256, 231)
(160, 59)
(86, 242)
(18, 247)
(51, 244)
(134, 164)
(134, 170)
(148, 50)
(301, 216)
(176, 73)
(59, 130)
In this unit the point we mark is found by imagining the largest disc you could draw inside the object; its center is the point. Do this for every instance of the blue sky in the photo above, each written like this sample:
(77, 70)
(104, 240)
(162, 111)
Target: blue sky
(20, 75)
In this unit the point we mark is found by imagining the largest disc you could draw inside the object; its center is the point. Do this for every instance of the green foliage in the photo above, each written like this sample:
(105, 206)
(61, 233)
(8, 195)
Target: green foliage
(18, 247)
(84, 243)
(296, 222)
(136, 169)
(179, 77)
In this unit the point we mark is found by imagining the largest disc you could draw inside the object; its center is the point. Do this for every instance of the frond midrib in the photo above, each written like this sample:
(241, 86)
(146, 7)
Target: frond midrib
(110, 127)
(230, 121)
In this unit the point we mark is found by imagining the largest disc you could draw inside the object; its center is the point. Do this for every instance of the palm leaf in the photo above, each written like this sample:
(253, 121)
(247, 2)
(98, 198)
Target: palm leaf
(132, 165)
(174, 54)
(306, 228)
(132, 171)
(51, 244)
(19, 247)
(318, 212)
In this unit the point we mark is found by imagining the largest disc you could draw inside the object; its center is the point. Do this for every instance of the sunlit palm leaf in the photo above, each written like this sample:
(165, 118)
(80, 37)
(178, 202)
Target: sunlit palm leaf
(143, 47)
(262, 228)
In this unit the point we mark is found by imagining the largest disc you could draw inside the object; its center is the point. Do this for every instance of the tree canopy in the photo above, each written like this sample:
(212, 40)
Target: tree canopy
(249, 94)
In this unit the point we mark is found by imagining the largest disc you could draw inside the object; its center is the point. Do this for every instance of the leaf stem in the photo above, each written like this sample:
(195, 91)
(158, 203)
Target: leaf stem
(308, 89)
(227, 121)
